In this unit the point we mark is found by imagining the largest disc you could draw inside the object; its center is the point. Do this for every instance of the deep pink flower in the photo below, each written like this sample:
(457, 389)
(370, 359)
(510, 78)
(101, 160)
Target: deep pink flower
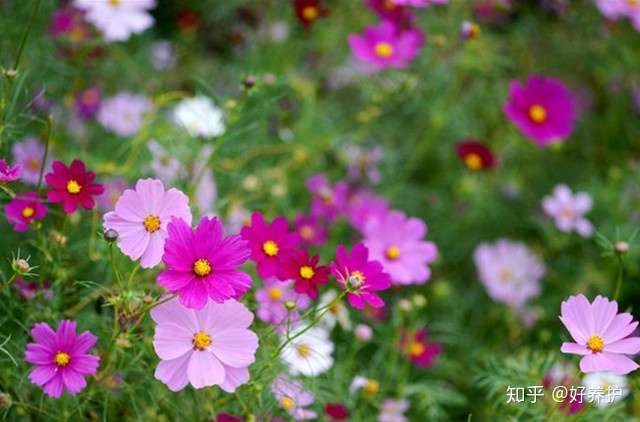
(543, 109)
(270, 243)
(29, 289)
(361, 277)
(475, 155)
(419, 3)
(272, 300)
(23, 209)
(420, 351)
(391, 11)
(61, 358)
(306, 272)
(311, 230)
(88, 102)
(225, 417)
(202, 264)
(292, 396)
(69, 22)
(308, 11)
(386, 45)
(141, 217)
(9, 173)
(365, 207)
(336, 411)
(328, 201)
(72, 186)
(602, 335)
(210, 346)
(397, 242)
(28, 154)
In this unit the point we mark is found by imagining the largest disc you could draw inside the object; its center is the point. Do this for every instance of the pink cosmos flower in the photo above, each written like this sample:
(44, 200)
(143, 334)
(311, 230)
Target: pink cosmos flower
(202, 264)
(141, 217)
(360, 276)
(419, 3)
(364, 207)
(543, 109)
(123, 113)
(29, 289)
(118, 19)
(164, 165)
(509, 271)
(210, 346)
(270, 243)
(392, 11)
(61, 358)
(402, 251)
(363, 161)
(113, 190)
(310, 230)
(393, 411)
(28, 155)
(328, 201)
(87, 102)
(69, 23)
(292, 396)
(386, 46)
(306, 272)
(9, 173)
(72, 186)
(616, 9)
(568, 210)
(23, 209)
(421, 352)
(602, 336)
(272, 299)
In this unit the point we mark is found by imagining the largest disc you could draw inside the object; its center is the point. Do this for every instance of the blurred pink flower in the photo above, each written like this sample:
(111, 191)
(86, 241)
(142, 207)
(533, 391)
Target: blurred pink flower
(23, 209)
(421, 352)
(393, 411)
(617, 9)
(327, 202)
(419, 3)
(292, 396)
(392, 11)
(87, 102)
(113, 189)
(364, 207)
(311, 230)
(29, 289)
(28, 154)
(123, 113)
(568, 210)
(386, 45)
(272, 299)
(118, 20)
(9, 173)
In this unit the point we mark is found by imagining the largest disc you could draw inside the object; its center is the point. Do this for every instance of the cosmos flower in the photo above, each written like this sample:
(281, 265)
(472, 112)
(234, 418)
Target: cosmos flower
(87, 102)
(543, 109)
(270, 243)
(9, 173)
(617, 9)
(292, 396)
(361, 277)
(69, 22)
(363, 161)
(29, 289)
(163, 55)
(118, 19)
(369, 386)
(561, 375)
(602, 335)
(199, 116)
(402, 251)
(419, 3)
(364, 207)
(336, 412)
(421, 352)
(475, 155)
(273, 300)
(469, 30)
(310, 230)
(337, 312)
(605, 388)
(72, 186)
(123, 113)
(568, 210)
(509, 271)
(363, 333)
(308, 11)
(225, 417)
(328, 202)
(164, 165)
(141, 217)
(210, 346)
(309, 353)
(113, 189)
(61, 358)
(305, 271)
(392, 11)
(23, 209)
(238, 217)
(202, 264)
(393, 411)
(386, 46)
(28, 154)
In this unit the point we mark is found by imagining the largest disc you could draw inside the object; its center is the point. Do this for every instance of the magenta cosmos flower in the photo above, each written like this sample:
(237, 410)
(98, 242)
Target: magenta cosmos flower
(328, 202)
(72, 186)
(311, 230)
(141, 217)
(87, 102)
(568, 210)
(306, 272)
(419, 3)
(543, 109)
(9, 173)
(269, 243)
(401, 250)
(601, 334)
(61, 358)
(421, 352)
(361, 277)
(365, 207)
(23, 209)
(292, 396)
(391, 11)
(210, 346)
(28, 155)
(272, 303)
(202, 264)
(386, 45)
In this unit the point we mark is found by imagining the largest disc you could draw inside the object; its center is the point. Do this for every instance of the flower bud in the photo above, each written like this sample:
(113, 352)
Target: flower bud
(147, 299)
(419, 301)
(249, 82)
(363, 333)
(354, 282)
(110, 235)
(621, 247)
(10, 73)
(5, 400)
(290, 305)
(405, 305)
(21, 266)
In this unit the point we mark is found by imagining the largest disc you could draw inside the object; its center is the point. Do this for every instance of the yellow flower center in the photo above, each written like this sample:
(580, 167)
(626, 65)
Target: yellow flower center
(416, 348)
(275, 294)
(537, 113)
(201, 340)
(114, 3)
(201, 267)
(270, 248)
(384, 49)
(62, 359)
(310, 13)
(473, 161)
(73, 187)
(152, 223)
(595, 344)
(307, 272)
(371, 387)
(306, 232)
(355, 279)
(633, 3)
(288, 403)
(27, 212)
(393, 252)
(304, 350)
(34, 164)
(389, 4)
(504, 275)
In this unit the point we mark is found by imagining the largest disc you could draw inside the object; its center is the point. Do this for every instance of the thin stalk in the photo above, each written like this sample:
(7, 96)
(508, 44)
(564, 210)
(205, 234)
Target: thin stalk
(25, 36)
(619, 278)
(46, 153)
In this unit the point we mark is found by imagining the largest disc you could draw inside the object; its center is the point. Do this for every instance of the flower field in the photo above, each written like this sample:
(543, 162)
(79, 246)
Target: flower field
(331, 210)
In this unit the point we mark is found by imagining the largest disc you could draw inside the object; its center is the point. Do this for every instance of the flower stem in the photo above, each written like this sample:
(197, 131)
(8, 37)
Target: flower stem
(619, 278)
(46, 153)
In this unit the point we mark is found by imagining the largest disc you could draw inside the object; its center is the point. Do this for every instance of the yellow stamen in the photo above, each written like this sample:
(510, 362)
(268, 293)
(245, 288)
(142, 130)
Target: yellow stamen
(537, 113)
(275, 294)
(389, 4)
(62, 359)
(270, 248)
(151, 223)
(114, 3)
(27, 212)
(73, 187)
(595, 344)
(384, 49)
(202, 268)
(371, 387)
(34, 164)
(355, 280)
(304, 350)
(393, 252)
(307, 272)
(416, 348)
(306, 232)
(310, 13)
(201, 340)
(288, 403)
(473, 161)
(633, 3)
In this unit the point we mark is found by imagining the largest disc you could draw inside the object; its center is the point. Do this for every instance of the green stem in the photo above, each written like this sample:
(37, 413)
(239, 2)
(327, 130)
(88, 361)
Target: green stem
(46, 153)
(25, 36)
(619, 278)
(8, 283)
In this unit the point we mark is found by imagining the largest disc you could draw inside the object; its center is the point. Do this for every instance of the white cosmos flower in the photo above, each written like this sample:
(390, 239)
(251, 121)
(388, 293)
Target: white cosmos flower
(118, 19)
(309, 354)
(199, 116)
(337, 313)
(605, 388)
